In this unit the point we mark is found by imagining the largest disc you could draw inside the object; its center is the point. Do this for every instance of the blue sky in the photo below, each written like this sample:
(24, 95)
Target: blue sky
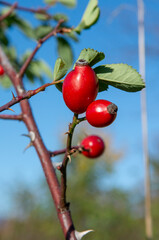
(118, 39)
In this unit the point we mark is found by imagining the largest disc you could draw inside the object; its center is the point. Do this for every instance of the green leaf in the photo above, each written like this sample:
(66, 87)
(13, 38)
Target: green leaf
(72, 35)
(42, 31)
(91, 56)
(65, 51)
(5, 81)
(41, 16)
(3, 38)
(59, 16)
(25, 27)
(36, 68)
(121, 76)
(45, 69)
(68, 3)
(39, 68)
(90, 16)
(60, 69)
(103, 86)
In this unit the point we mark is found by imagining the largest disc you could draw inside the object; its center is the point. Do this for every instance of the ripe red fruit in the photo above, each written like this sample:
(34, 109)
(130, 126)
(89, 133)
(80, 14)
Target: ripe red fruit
(1, 70)
(80, 87)
(93, 145)
(101, 113)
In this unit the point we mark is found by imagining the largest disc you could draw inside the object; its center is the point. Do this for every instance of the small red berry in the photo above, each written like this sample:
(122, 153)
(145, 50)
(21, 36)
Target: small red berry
(93, 146)
(1, 70)
(101, 113)
(80, 87)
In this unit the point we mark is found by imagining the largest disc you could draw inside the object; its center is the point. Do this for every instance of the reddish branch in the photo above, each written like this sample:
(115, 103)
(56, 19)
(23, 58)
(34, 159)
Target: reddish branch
(44, 155)
(76, 120)
(62, 151)
(26, 95)
(9, 12)
(31, 10)
(12, 117)
(40, 42)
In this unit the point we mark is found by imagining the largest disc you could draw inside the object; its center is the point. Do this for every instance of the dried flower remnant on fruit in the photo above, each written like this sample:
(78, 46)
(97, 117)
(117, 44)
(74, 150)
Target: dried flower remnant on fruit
(93, 146)
(101, 113)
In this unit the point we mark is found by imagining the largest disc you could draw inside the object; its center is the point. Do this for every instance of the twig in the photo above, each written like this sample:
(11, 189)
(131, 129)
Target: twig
(26, 95)
(40, 42)
(31, 10)
(9, 12)
(63, 203)
(12, 117)
(62, 151)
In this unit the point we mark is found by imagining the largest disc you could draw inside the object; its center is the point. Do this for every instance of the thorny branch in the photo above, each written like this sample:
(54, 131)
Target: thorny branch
(26, 95)
(62, 151)
(12, 117)
(76, 120)
(64, 214)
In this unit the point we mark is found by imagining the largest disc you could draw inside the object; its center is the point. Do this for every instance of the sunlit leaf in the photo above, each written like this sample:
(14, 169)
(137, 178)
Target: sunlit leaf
(60, 69)
(41, 16)
(59, 16)
(121, 76)
(91, 56)
(68, 3)
(90, 16)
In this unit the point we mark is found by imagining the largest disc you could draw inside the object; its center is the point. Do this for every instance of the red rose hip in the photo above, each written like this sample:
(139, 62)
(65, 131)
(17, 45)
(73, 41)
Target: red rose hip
(101, 113)
(93, 146)
(1, 70)
(80, 87)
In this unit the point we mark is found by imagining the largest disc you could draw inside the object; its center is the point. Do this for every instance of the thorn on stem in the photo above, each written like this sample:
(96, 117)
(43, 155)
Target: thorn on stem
(80, 235)
(13, 95)
(69, 158)
(28, 146)
(67, 132)
(11, 109)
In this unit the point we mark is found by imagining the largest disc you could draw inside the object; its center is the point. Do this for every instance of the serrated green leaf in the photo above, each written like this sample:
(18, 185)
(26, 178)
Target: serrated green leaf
(90, 16)
(91, 56)
(5, 81)
(60, 69)
(121, 76)
(68, 3)
(65, 51)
